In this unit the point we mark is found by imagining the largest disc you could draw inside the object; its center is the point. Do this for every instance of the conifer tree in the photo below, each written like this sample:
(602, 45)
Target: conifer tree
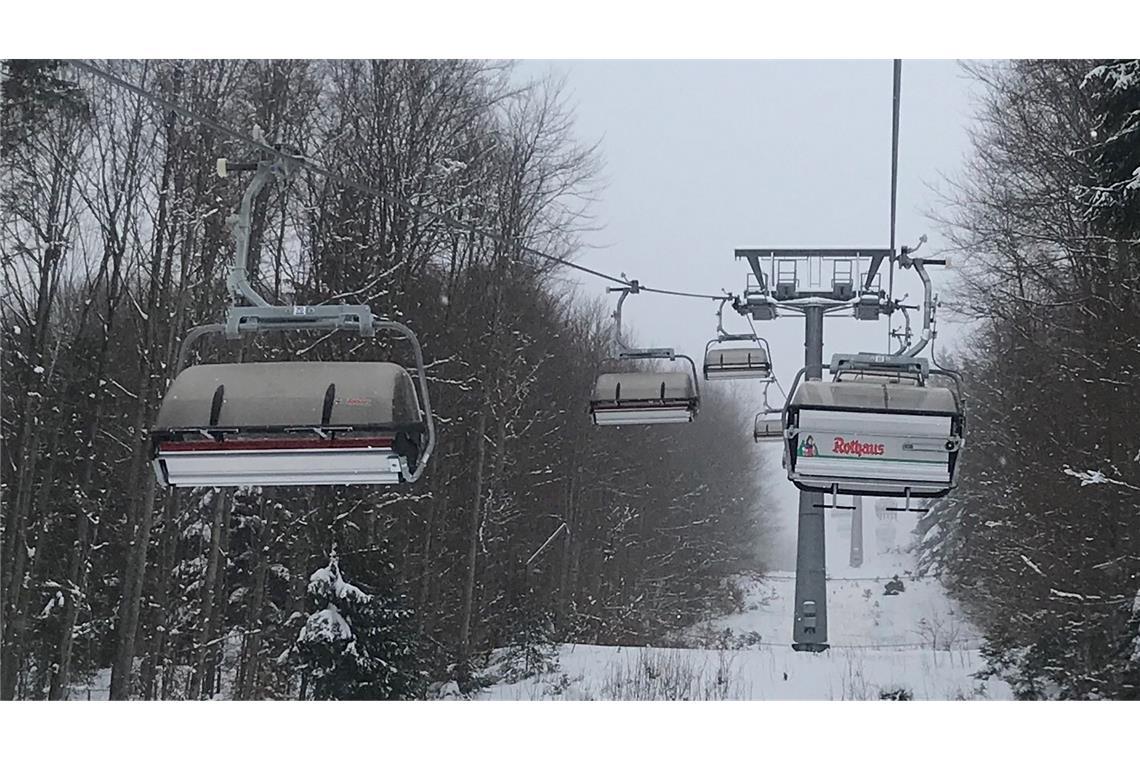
(356, 645)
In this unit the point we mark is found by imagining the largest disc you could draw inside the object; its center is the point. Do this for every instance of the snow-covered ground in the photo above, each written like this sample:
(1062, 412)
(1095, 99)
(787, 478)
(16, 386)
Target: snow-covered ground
(916, 641)
(96, 689)
(627, 673)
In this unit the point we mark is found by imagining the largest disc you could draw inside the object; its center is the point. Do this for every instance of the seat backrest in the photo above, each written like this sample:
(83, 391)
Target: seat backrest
(752, 356)
(644, 386)
(768, 426)
(873, 397)
(277, 394)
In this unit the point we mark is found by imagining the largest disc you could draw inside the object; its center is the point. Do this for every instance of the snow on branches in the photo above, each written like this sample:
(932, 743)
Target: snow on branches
(1096, 477)
(356, 645)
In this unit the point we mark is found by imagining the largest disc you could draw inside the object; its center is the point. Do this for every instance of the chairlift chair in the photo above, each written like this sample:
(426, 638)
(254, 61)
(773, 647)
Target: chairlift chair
(291, 423)
(644, 398)
(769, 423)
(768, 426)
(751, 361)
(876, 429)
(282, 423)
(651, 397)
(738, 363)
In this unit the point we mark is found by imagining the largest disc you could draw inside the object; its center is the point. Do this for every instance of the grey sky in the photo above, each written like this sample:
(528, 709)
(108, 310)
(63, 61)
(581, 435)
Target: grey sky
(705, 156)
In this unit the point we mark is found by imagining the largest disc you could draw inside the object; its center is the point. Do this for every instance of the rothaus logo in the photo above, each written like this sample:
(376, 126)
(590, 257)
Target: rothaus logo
(858, 448)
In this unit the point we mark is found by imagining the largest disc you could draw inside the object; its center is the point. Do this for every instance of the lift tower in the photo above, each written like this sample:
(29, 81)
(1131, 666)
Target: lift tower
(813, 282)
(856, 556)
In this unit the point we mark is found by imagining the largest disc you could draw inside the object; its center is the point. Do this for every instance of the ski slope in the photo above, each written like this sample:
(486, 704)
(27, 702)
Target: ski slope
(916, 641)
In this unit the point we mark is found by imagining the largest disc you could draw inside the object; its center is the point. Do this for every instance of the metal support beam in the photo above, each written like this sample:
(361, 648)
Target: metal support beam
(810, 253)
(237, 282)
(856, 557)
(810, 624)
(357, 318)
(757, 255)
(873, 269)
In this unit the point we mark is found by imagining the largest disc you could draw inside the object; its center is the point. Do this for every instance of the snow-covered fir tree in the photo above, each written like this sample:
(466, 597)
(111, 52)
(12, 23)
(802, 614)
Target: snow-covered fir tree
(356, 645)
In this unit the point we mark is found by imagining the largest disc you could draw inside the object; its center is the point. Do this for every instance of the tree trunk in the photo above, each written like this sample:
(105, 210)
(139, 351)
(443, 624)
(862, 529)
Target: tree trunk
(247, 687)
(84, 539)
(29, 578)
(473, 542)
(205, 624)
(17, 548)
(564, 564)
(437, 513)
(217, 623)
(157, 656)
(134, 575)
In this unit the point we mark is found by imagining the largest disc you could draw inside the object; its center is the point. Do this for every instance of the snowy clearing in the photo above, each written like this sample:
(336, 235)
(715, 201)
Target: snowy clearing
(917, 641)
(630, 673)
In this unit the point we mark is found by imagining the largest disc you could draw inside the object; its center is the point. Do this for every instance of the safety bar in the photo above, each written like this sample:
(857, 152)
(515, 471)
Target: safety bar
(879, 362)
(693, 367)
(784, 414)
(961, 399)
(647, 353)
(327, 316)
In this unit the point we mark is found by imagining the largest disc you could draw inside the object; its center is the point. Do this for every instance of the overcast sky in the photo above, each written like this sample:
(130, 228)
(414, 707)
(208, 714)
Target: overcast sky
(702, 157)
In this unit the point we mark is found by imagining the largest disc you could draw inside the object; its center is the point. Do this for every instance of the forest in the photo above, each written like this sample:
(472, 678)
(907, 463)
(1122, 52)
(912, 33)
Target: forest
(1041, 540)
(115, 242)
